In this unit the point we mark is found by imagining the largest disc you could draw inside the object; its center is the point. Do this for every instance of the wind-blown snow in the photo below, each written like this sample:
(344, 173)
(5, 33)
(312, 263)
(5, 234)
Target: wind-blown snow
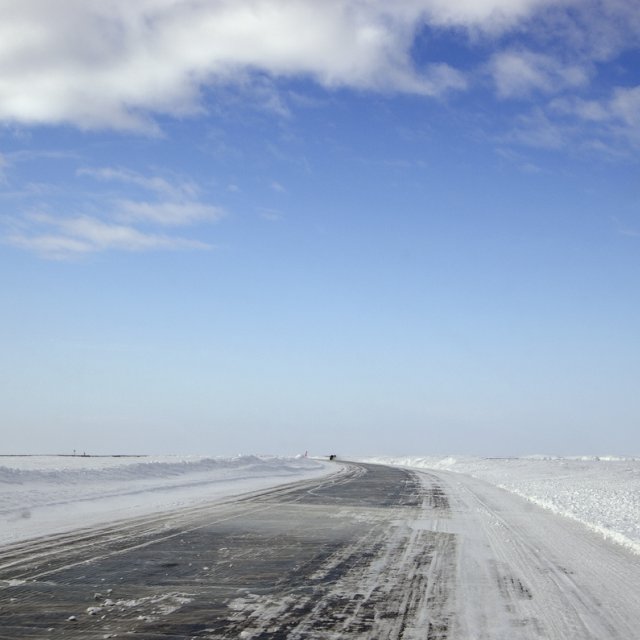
(46, 494)
(602, 493)
(40, 495)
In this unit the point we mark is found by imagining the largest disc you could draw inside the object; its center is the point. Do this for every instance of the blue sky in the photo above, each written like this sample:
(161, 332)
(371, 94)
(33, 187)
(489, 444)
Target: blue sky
(267, 227)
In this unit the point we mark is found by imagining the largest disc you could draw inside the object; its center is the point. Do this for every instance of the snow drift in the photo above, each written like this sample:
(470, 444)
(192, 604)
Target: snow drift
(603, 493)
(40, 495)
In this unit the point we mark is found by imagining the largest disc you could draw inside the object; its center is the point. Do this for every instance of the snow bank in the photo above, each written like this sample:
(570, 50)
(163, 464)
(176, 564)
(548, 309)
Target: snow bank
(40, 495)
(602, 493)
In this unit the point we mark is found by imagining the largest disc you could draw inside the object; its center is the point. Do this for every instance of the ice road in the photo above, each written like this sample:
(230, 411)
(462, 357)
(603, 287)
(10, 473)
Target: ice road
(370, 552)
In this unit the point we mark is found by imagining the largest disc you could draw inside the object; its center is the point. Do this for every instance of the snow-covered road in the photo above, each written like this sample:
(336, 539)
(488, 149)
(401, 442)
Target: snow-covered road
(523, 572)
(374, 552)
(601, 492)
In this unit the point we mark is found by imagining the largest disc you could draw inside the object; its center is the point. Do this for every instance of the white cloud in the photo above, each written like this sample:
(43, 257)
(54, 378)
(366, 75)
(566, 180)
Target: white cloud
(536, 129)
(65, 237)
(168, 214)
(607, 126)
(115, 64)
(176, 206)
(123, 224)
(598, 30)
(156, 184)
(614, 117)
(105, 235)
(119, 64)
(440, 77)
(490, 15)
(50, 246)
(625, 105)
(519, 73)
(590, 110)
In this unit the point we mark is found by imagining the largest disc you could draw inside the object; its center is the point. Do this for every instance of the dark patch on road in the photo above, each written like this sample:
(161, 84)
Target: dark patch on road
(322, 558)
(375, 486)
(435, 495)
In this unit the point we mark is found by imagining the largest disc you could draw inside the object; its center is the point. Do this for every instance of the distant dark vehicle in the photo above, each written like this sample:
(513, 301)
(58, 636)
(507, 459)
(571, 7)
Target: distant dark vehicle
(333, 456)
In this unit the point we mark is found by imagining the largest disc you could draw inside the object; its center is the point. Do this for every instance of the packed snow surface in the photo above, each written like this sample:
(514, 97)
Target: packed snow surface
(40, 495)
(602, 493)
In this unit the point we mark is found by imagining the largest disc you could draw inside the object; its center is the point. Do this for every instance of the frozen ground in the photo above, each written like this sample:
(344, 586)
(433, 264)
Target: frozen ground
(602, 493)
(42, 495)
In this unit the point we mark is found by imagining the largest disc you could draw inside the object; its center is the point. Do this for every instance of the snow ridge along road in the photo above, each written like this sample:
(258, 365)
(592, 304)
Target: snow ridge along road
(373, 552)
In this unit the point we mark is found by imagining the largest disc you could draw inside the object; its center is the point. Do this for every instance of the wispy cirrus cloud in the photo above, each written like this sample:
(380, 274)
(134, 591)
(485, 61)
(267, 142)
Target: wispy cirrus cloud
(176, 189)
(176, 202)
(277, 187)
(608, 126)
(168, 214)
(65, 237)
(50, 245)
(621, 108)
(122, 224)
(517, 74)
(537, 129)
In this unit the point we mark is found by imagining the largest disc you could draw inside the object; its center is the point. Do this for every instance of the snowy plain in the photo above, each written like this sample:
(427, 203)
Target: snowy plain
(43, 495)
(602, 493)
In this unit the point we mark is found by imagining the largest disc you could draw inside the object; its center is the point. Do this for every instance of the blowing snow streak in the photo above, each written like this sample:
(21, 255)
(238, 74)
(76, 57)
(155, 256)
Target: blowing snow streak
(372, 552)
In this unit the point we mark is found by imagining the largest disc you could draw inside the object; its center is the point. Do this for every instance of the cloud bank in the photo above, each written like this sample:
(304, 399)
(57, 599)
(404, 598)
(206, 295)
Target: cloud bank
(116, 63)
